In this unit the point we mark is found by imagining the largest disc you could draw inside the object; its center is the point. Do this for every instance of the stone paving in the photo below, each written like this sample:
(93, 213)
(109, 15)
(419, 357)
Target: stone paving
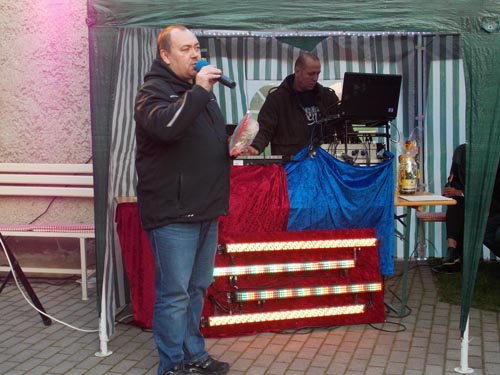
(427, 341)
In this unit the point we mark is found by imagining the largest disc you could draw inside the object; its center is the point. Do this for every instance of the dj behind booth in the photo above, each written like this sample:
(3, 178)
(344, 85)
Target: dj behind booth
(289, 120)
(355, 187)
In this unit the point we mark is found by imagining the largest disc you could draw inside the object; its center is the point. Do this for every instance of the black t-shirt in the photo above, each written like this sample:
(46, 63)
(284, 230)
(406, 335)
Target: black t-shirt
(312, 112)
(308, 104)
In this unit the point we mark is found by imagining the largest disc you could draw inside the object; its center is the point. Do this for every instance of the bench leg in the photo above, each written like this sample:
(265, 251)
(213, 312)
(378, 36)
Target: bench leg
(83, 265)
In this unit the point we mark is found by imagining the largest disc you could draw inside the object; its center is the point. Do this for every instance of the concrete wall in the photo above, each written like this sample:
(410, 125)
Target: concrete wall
(45, 104)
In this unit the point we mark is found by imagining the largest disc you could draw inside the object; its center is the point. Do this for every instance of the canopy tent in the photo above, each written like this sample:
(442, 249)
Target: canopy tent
(119, 27)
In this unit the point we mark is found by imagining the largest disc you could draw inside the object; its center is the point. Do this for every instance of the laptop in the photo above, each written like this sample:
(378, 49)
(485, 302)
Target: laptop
(369, 98)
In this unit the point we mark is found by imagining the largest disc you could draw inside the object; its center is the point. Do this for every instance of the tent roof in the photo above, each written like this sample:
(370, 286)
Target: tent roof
(368, 15)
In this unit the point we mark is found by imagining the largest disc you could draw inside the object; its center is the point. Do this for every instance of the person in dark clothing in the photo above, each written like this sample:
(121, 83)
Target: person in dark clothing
(297, 112)
(492, 232)
(455, 215)
(182, 165)
(455, 188)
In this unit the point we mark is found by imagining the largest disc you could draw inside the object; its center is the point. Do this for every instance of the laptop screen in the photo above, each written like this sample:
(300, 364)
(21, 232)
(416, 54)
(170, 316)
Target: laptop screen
(369, 98)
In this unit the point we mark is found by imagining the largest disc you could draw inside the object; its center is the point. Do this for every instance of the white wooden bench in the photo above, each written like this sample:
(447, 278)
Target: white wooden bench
(50, 180)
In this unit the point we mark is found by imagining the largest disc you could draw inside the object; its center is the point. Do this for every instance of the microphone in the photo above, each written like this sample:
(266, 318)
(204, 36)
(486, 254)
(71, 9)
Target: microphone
(225, 80)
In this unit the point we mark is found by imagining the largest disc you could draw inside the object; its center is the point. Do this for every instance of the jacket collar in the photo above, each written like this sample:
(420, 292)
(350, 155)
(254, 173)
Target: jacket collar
(161, 70)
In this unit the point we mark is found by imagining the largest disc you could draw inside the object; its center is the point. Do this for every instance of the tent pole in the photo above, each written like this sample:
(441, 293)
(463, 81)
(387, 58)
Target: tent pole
(103, 337)
(464, 353)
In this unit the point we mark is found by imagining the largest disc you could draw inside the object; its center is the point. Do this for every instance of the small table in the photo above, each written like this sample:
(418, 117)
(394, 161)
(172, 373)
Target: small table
(417, 201)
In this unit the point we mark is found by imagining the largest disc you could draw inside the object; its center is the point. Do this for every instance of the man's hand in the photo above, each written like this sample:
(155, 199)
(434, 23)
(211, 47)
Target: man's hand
(207, 77)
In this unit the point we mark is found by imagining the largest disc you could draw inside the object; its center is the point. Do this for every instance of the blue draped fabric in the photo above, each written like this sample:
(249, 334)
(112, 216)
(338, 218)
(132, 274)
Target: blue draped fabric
(326, 193)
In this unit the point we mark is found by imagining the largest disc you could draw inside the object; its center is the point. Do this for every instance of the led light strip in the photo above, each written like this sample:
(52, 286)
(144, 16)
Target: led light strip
(307, 292)
(214, 321)
(282, 267)
(299, 245)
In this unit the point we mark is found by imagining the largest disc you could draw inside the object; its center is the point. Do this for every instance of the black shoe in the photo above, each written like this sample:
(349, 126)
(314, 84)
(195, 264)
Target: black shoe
(451, 256)
(177, 370)
(207, 366)
(448, 268)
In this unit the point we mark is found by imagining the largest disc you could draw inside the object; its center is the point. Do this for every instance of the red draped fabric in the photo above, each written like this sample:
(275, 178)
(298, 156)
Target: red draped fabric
(258, 201)
(138, 261)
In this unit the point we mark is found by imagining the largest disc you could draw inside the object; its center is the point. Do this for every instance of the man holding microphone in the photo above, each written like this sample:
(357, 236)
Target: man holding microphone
(183, 166)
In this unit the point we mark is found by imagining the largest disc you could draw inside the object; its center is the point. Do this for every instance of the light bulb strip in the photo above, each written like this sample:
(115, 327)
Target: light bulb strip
(214, 321)
(299, 245)
(283, 267)
(307, 292)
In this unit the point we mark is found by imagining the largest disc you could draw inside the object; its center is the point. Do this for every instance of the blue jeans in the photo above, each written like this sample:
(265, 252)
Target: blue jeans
(184, 261)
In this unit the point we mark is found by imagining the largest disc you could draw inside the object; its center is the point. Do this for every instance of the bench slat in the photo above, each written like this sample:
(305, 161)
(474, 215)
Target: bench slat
(45, 168)
(46, 191)
(54, 234)
(64, 271)
(45, 179)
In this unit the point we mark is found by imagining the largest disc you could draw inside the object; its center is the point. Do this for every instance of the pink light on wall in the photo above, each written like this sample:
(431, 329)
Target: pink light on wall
(49, 63)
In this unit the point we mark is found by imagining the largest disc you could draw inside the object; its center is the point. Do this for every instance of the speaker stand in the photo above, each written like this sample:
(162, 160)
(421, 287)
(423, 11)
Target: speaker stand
(22, 277)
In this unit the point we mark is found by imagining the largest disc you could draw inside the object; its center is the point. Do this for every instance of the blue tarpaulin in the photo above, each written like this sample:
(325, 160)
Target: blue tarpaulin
(326, 193)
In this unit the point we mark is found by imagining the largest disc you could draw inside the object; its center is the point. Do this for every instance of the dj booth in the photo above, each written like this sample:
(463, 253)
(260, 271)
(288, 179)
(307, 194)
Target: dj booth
(305, 244)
